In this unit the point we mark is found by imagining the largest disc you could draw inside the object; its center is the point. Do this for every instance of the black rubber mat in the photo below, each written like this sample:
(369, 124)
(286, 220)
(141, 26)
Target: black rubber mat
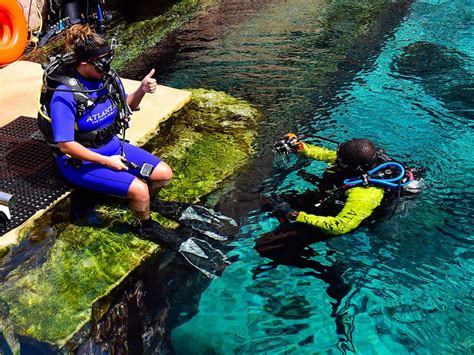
(27, 170)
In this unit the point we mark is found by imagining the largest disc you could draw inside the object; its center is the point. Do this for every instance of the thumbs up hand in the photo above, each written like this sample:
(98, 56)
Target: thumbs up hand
(148, 84)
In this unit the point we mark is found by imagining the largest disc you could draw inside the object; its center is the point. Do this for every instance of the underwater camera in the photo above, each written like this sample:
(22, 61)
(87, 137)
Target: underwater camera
(7, 201)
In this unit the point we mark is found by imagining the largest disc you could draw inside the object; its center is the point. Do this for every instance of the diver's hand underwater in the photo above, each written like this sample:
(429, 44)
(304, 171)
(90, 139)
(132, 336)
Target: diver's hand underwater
(279, 209)
(289, 143)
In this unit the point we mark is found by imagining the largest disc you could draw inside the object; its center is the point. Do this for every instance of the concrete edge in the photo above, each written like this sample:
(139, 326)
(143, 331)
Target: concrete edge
(13, 236)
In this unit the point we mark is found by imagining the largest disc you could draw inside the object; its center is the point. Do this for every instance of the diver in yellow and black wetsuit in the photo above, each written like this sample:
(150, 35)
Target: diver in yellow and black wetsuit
(359, 177)
(360, 182)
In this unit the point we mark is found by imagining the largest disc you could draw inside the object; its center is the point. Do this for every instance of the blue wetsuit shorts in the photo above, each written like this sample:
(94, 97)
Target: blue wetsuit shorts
(103, 180)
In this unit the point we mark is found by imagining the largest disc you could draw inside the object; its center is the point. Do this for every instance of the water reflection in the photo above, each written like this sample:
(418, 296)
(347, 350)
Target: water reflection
(290, 245)
(443, 73)
(388, 283)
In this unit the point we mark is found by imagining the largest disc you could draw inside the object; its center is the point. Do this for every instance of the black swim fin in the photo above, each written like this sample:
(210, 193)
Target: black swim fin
(288, 241)
(276, 245)
(199, 253)
(212, 224)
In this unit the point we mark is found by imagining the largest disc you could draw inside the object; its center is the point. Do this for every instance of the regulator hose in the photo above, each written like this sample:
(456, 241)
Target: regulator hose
(391, 182)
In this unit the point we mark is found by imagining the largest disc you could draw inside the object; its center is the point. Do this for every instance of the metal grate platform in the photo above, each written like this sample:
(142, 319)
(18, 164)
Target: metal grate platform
(27, 170)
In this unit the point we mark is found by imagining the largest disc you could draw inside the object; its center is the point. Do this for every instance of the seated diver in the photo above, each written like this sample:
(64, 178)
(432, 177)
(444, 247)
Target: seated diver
(358, 180)
(83, 106)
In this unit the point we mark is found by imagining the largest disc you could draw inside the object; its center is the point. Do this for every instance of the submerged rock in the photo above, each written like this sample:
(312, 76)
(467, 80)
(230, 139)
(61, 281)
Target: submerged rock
(207, 141)
(52, 299)
(135, 38)
(426, 60)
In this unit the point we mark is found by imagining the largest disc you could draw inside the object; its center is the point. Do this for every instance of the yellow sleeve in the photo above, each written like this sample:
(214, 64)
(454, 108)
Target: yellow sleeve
(361, 202)
(318, 153)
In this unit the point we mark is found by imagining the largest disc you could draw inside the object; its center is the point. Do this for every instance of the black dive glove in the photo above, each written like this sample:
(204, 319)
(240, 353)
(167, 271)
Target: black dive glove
(284, 212)
(289, 143)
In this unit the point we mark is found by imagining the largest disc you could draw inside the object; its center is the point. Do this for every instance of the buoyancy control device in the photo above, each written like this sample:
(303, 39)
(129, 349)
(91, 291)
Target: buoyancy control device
(60, 71)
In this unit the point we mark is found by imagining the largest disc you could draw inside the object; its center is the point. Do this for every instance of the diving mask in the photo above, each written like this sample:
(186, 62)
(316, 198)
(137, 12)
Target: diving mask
(102, 63)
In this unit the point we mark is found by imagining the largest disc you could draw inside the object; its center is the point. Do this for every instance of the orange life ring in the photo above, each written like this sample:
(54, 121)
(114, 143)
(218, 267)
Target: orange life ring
(13, 31)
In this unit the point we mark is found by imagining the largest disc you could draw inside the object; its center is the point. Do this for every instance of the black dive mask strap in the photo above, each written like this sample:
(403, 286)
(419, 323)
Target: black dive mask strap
(100, 58)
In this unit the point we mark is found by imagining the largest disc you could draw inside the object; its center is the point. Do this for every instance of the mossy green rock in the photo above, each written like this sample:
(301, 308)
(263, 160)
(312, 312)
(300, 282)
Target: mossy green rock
(50, 300)
(210, 140)
(64, 283)
(136, 37)
(207, 141)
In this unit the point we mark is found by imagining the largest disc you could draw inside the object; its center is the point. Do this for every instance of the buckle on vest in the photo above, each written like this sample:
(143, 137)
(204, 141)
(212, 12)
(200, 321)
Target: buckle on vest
(103, 136)
(365, 179)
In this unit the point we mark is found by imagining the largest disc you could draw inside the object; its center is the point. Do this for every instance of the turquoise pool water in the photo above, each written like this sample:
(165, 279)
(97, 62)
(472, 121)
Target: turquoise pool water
(403, 286)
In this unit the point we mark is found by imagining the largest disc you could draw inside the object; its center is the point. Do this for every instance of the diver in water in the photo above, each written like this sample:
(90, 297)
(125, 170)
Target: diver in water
(360, 178)
(83, 106)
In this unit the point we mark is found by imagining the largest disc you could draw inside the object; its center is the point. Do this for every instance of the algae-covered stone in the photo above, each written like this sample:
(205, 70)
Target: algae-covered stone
(4, 251)
(52, 298)
(207, 141)
(135, 38)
